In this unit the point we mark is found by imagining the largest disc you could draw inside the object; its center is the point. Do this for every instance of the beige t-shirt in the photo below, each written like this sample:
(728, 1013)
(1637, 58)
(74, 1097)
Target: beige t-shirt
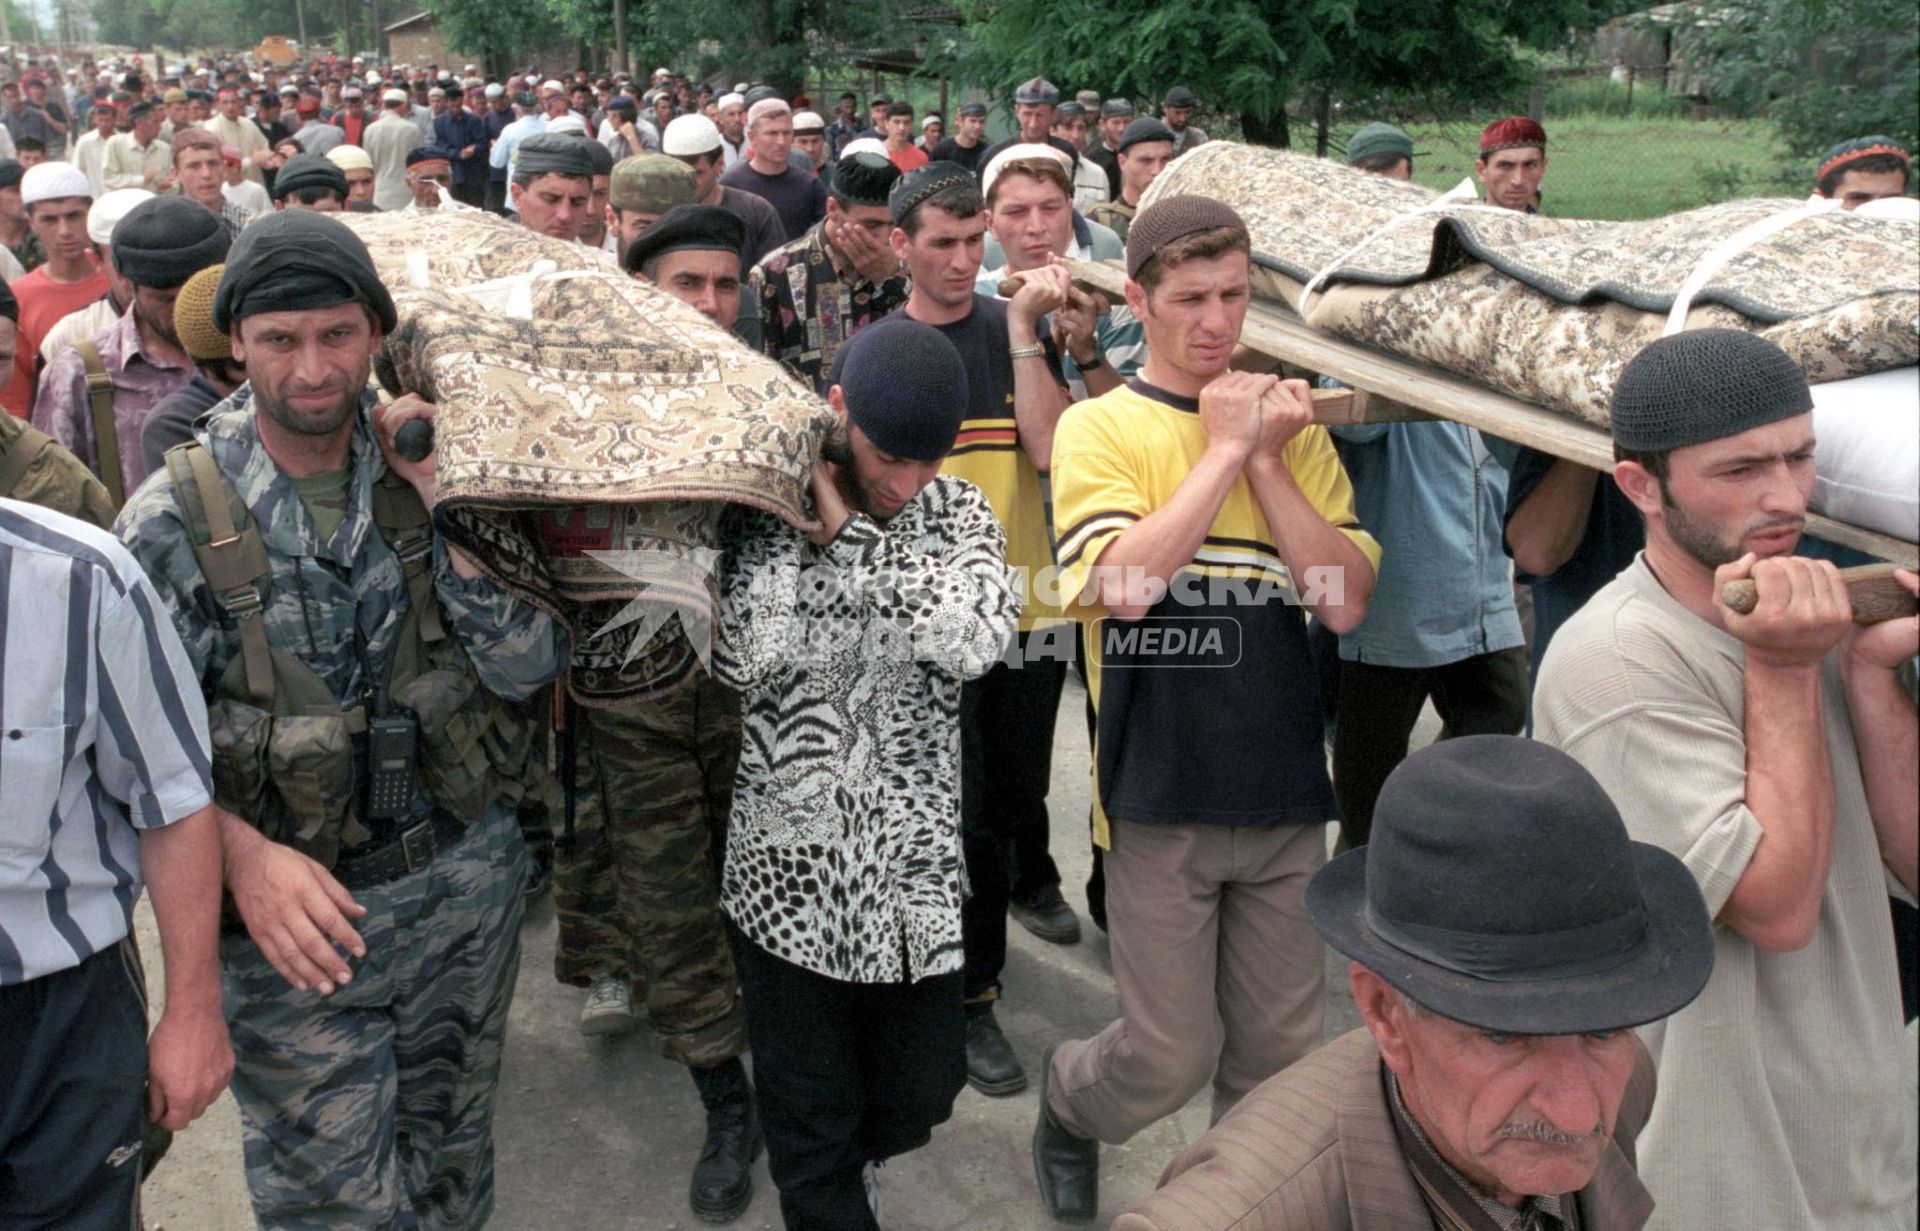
(1782, 1097)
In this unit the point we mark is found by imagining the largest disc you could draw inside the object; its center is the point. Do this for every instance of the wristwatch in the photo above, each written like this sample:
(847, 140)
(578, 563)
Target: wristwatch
(1089, 365)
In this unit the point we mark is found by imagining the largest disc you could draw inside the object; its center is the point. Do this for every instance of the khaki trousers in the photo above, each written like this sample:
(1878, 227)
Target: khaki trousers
(1219, 972)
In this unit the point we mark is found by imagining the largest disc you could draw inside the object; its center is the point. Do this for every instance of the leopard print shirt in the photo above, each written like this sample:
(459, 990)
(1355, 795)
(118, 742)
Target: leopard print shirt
(843, 849)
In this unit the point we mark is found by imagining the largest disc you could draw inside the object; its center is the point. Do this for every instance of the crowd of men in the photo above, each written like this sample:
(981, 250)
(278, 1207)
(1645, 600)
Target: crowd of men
(1650, 967)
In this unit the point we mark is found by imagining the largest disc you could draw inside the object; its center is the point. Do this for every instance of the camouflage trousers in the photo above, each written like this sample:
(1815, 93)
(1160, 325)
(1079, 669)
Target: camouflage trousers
(637, 891)
(372, 1108)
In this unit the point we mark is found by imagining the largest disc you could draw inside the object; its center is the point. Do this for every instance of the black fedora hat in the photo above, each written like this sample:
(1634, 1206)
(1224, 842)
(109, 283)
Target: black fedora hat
(1499, 888)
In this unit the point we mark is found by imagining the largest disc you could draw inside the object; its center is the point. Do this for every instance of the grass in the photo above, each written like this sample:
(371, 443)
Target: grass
(1606, 166)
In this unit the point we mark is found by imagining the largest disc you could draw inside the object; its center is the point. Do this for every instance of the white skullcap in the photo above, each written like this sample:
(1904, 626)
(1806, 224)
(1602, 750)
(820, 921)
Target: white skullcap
(767, 107)
(689, 135)
(350, 158)
(551, 86)
(864, 145)
(662, 72)
(806, 121)
(54, 181)
(394, 96)
(110, 209)
(1022, 150)
(373, 78)
(568, 123)
(730, 100)
(495, 89)
(468, 69)
(932, 119)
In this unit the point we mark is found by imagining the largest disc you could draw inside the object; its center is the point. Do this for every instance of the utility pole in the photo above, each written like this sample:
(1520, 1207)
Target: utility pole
(621, 61)
(299, 20)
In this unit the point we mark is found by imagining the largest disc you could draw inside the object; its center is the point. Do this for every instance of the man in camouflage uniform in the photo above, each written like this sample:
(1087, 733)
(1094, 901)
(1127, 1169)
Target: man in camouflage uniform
(641, 189)
(637, 887)
(1143, 151)
(368, 1104)
(812, 294)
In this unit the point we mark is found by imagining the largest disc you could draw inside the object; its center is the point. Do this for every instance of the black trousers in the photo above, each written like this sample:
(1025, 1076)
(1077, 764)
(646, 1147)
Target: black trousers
(1482, 695)
(496, 199)
(845, 1074)
(470, 194)
(73, 1086)
(1006, 762)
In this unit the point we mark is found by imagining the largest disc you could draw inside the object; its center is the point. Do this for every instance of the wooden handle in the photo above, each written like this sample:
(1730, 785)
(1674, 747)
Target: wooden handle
(1876, 594)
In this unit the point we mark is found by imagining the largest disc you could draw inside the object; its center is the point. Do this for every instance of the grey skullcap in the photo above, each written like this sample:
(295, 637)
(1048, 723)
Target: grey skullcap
(1704, 384)
(308, 171)
(1114, 108)
(164, 241)
(864, 179)
(1179, 96)
(1174, 218)
(972, 109)
(905, 387)
(1378, 138)
(295, 261)
(600, 156)
(553, 154)
(1146, 128)
(1037, 90)
(914, 188)
(11, 173)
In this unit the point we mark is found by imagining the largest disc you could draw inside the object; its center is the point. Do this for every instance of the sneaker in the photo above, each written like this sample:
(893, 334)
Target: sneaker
(1047, 915)
(609, 1007)
(870, 1176)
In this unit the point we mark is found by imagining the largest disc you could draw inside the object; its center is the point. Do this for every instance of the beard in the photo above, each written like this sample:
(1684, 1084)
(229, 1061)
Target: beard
(1700, 541)
(161, 324)
(324, 421)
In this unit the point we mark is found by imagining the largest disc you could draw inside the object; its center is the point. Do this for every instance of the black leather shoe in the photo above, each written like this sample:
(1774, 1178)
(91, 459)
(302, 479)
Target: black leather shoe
(992, 1068)
(1065, 1166)
(723, 1178)
(1048, 916)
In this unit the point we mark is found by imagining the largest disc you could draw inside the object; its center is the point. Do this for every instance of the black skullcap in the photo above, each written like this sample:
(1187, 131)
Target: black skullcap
(308, 171)
(1704, 384)
(297, 260)
(688, 228)
(915, 187)
(9, 306)
(144, 107)
(553, 154)
(972, 109)
(864, 179)
(1146, 128)
(621, 102)
(11, 173)
(600, 156)
(428, 153)
(166, 240)
(1173, 218)
(905, 387)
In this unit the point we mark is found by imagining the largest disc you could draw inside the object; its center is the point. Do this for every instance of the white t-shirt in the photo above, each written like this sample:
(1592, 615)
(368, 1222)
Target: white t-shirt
(248, 196)
(1784, 1088)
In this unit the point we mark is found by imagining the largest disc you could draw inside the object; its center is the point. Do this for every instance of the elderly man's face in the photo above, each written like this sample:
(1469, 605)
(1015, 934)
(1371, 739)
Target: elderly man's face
(1519, 1115)
(1036, 120)
(426, 179)
(732, 120)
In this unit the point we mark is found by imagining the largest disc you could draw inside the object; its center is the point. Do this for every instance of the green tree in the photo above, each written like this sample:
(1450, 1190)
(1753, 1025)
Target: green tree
(1822, 70)
(1254, 57)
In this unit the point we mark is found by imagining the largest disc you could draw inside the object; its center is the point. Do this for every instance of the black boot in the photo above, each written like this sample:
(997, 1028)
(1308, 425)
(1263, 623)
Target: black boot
(1066, 1166)
(723, 1178)
(992, 1068)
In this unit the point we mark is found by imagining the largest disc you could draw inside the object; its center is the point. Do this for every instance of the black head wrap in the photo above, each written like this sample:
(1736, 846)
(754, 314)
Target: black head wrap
(166, 240)
(294, 261)
(308, 171)
(864, 179)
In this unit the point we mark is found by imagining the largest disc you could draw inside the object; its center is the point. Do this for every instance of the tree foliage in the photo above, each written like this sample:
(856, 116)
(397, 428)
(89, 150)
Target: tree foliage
(1823, 70)
(1253, 57)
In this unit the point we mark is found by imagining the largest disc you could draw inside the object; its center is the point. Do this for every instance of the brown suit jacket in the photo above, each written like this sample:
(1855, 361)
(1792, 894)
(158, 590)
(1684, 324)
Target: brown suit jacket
(1313, 1148)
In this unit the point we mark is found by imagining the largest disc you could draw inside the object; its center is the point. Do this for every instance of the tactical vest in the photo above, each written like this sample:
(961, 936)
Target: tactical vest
(36, 470)
(286, 755)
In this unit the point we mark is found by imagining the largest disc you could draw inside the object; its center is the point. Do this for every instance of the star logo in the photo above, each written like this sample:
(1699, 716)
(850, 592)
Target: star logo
(672, 586)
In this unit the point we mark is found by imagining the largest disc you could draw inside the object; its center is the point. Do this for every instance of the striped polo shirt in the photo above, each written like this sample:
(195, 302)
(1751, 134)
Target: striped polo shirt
(103, 732)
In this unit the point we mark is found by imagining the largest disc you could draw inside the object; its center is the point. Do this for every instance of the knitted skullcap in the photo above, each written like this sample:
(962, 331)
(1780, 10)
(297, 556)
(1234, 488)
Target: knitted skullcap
(1174, 218)
(767, 108)
(1511, 134)
(163, 242)
(350, 158)
(864, 178)
(905, 387)
(690, 135)
(54, 181)
(1840, 155)
(917, 187)
(808, 123)
(193, 317)
(1704, 384)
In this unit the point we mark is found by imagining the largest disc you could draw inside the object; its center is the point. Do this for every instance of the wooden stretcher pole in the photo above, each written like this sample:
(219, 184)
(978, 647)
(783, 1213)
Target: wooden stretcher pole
(1391, 381)
(1874, 591)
